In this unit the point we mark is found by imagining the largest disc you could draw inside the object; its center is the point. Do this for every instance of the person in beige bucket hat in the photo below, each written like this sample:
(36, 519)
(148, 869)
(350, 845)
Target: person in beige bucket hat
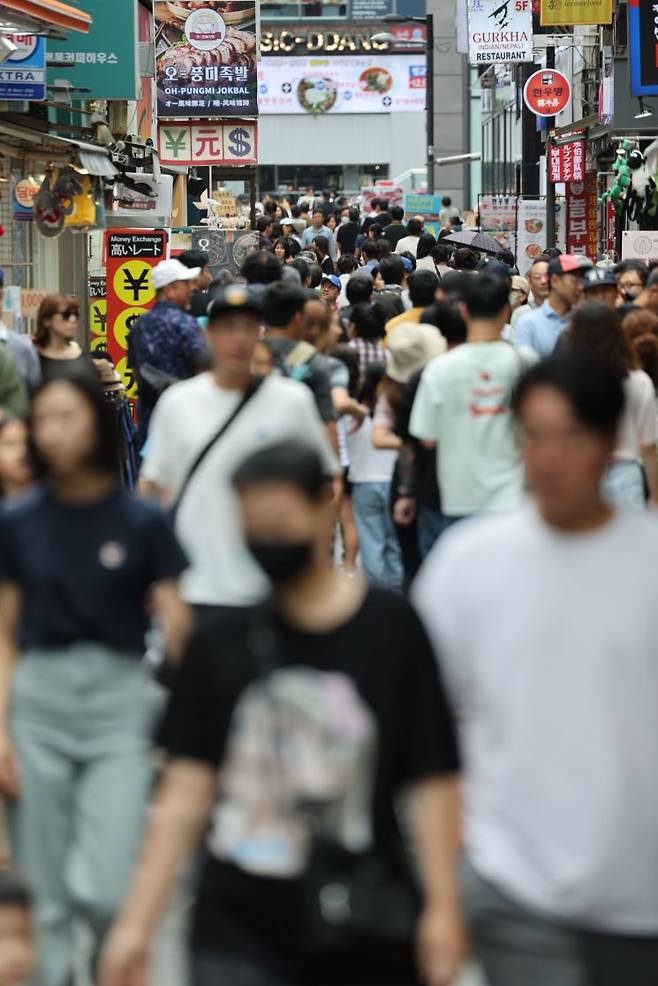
(411, 345)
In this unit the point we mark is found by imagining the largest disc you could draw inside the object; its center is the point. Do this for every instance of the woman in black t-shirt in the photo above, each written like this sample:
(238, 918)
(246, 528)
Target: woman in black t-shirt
(82, 563)
(291, 731)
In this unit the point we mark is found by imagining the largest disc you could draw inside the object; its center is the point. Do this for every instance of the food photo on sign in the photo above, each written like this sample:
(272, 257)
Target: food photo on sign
(206, 58)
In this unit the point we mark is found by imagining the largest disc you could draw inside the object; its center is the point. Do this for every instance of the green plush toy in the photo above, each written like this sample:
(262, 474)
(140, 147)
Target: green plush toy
(617, 194)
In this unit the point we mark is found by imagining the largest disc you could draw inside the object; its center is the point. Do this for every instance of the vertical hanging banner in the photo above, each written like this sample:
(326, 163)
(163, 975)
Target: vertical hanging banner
(131, 255)
(566, 162)
(499, 31)
(582, 216)
(97, 312)
(554, 12)
(643, 47)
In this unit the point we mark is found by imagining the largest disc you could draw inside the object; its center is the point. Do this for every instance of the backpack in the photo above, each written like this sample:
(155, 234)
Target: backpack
(297, 365)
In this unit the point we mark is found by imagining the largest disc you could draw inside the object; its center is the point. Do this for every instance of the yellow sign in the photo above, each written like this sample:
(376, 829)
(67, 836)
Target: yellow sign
(127, 377)
(98, 322)
(124, 323)
(132, 283)
(554, 12)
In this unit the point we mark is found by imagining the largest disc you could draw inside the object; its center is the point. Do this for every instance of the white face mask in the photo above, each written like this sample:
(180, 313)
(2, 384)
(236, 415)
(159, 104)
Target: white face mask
(344, 219)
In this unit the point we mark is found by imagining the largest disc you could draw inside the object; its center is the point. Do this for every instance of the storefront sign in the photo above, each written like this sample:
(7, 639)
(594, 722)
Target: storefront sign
(131, 256)
(393, 194)
(216, 143)
(643, 47)
(97, 313)
(369, 10)
(25, 191)
(342, 84)
(227, 248)
(31, 301)
(23, 74)
(104, 61)
(499, 31)
(547, 92)
(582, 216)
(566, 162)
(639, 245)
(300, 42)
(531, 230)
(206, 59)
(497, 213)
(575, 12)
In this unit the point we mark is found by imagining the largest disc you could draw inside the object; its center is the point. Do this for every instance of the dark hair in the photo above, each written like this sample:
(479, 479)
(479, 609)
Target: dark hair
(641, 328)
(445, 315)
(49, 307)
(596, 326)
(373, 374)
(425, 245)
(397, 213)
(369, 249)
(262, 222)
(347, 263)
(593, 390)
(322, 244)
(383, 247)
(318, 211)
(414, 227)
(14, 890)
(315, 272)
(194, 258)
(638, 266)
(485, 295)
(422, 285)
(465, 259)
(453, 282)
(383, 205)
(552, 252)
(295, 211)
(390, 303)
(261, 267)
(506, 257)
(440, 253)
(286, 462)
(541, 259)
(282, 302)
(410, 256)
(446, 201)
(83, 378)
(359, 288)
(354, 215)
(392, 269)
(369, 320)
(302, 267)
(374, 231)
(290, 247)
(652, 279)
(455, 221)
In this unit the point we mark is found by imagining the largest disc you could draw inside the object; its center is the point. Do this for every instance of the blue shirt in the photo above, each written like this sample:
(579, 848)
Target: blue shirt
(540, 329)
(310, 233)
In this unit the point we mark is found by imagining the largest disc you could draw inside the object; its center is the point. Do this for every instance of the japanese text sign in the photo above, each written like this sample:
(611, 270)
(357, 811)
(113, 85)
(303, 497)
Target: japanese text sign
(566, 162)
(575, 12)
(213, 142)
(582, 216)
(643, 47)
(547, 92)
(206, 59)
(104, 61)
(23, 74)
(97, 313)
(499, 31)
(131, 256)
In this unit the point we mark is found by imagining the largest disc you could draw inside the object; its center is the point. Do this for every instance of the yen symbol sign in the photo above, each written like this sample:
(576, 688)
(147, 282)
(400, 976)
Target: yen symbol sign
(132, 283)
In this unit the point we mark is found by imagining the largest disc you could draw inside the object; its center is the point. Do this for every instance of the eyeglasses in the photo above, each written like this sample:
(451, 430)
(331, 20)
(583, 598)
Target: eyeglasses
(69, 312)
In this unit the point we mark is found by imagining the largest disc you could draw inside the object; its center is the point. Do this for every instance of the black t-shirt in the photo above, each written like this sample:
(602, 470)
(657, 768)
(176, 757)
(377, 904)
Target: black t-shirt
(345, 720)
(382, 219)
(85, 571)
(346, 235)
(426, 484)
(394, 233)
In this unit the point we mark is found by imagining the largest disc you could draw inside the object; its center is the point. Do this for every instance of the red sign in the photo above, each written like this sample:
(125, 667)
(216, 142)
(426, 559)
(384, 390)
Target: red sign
(582, 207)
(566, 162)
(547, 92)
(131, 255)
(215, 142)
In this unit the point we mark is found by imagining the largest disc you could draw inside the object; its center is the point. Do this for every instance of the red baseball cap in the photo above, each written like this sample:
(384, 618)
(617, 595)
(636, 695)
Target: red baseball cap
(569, 263)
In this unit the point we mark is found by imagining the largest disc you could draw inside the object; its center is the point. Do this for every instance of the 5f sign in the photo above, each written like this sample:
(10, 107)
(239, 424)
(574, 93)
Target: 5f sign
(499, 31)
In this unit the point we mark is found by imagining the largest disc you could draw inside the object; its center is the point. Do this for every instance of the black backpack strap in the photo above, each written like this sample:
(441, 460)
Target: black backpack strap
(251, 390)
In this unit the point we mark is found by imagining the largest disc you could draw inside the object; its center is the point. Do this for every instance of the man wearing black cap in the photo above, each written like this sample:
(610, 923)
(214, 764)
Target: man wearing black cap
(600, 284)
(541, 328)
(223, 412)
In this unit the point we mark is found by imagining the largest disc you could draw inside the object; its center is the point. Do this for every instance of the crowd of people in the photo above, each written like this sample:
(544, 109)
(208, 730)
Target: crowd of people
(379, 616)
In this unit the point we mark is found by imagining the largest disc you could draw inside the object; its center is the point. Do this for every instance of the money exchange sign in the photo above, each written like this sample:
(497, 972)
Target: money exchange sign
(214, 142)
(131, 256)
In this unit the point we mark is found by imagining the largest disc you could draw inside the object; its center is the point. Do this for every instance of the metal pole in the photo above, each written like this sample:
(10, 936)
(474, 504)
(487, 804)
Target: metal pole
(550, 187)
(429, 102)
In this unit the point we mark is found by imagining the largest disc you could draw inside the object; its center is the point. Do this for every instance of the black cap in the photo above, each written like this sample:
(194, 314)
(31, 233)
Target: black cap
(599, 277)
(236, 297)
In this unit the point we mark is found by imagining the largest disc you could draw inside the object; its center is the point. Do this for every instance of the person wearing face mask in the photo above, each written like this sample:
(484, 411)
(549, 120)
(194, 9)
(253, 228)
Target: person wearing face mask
(314, 712)
(632, 277)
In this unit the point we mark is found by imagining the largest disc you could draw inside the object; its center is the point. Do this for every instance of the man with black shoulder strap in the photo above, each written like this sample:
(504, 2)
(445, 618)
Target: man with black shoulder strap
(202, 429)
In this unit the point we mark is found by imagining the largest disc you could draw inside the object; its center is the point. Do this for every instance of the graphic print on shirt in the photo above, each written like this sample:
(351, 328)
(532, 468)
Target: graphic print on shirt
(487, 397)
(300, 758)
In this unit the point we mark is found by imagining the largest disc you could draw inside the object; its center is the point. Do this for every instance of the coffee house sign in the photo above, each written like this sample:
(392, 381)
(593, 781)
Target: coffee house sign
(286, 42)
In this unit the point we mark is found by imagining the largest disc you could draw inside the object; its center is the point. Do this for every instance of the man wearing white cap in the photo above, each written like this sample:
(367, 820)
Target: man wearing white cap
(166, 344)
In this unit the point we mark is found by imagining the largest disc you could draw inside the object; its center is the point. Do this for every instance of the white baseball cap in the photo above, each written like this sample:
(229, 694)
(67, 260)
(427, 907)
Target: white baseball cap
(170, 271)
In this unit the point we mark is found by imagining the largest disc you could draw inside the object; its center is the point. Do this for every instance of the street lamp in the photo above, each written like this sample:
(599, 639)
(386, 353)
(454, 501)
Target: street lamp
(428, 21)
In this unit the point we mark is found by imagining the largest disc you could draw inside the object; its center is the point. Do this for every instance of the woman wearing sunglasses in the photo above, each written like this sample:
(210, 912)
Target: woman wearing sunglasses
(57, 325)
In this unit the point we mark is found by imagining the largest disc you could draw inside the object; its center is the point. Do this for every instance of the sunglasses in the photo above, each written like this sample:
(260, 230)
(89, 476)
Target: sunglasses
(69, 312)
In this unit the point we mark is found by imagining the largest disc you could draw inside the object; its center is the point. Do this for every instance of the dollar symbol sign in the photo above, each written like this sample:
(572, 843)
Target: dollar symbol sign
(239, 141)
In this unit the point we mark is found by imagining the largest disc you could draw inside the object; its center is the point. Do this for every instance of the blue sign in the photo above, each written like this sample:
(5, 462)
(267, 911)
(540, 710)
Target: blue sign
(642, 49)
(23, 75)
(423, 205)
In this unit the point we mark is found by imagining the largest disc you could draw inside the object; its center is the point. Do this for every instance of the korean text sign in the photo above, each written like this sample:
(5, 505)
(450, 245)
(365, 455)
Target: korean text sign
(23, 74)
(582, 216)
(205, 59)
(131, 256)
(643, 47)
(566, 162)
(212, 142)
(104, 61)
(547, 92)
(499, 31)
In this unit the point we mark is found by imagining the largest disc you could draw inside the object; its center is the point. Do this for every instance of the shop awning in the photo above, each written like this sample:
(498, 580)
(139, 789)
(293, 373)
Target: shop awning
(35, 144)
(44, 16)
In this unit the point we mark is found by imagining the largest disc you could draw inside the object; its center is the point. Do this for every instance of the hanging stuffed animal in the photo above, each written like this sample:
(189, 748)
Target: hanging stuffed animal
(619, 191)
(643, 186)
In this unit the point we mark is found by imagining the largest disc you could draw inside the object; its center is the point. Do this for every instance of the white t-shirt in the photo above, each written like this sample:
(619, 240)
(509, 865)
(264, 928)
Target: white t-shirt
(367, 463)
(639, 423)
(548, 643)
(407, 243)
(208, 523)
(463, 403)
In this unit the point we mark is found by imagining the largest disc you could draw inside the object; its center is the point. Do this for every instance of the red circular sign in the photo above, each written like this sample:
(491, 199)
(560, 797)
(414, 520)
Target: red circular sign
(547, 92)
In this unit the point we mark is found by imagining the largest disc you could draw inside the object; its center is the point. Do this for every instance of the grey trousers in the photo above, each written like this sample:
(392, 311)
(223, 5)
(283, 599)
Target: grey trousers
(518, 947)
(81, 721)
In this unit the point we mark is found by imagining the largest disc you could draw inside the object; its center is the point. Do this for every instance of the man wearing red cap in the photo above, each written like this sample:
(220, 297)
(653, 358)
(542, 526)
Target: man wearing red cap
(541, 328)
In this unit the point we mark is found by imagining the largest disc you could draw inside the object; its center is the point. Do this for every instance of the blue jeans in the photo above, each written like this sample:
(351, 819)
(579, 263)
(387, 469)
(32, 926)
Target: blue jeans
(431, 525)
(378, 543)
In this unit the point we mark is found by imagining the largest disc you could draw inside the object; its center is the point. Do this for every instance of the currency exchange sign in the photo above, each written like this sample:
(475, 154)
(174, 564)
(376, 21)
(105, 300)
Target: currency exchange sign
(216, 142)
(131, 256)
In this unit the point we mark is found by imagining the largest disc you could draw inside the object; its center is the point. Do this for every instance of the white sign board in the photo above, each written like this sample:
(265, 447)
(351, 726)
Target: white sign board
(499, 31)
(531, 230)
(328, 84)
(639, 244)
